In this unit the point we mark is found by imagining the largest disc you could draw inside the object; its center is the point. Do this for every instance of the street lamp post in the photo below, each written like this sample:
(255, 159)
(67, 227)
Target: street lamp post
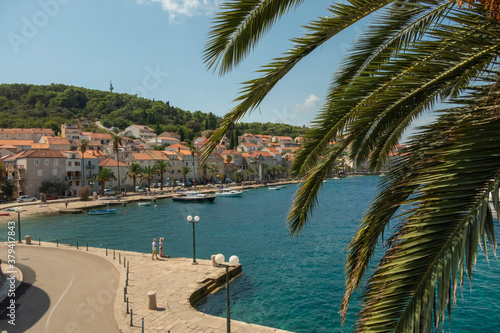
(193, 221)
(18, 210)
(233, 261)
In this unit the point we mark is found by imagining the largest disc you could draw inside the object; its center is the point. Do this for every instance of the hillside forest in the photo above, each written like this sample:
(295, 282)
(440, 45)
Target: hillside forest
(49, 106)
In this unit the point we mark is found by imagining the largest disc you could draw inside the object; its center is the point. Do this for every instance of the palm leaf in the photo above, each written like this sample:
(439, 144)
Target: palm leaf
(237, 28)
(439, 234)
(320, 31)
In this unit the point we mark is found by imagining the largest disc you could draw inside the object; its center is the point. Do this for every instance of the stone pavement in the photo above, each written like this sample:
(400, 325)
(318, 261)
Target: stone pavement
(176, 282)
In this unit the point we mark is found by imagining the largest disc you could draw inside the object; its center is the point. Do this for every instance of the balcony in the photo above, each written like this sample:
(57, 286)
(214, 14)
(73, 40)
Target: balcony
(88, 167)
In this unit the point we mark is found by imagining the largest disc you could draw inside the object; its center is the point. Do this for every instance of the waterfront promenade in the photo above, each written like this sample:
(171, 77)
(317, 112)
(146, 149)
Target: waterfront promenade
(75, 205)
(175, 280)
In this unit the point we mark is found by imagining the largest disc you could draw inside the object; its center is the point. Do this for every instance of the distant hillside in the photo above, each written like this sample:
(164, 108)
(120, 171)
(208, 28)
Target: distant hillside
(26, 106)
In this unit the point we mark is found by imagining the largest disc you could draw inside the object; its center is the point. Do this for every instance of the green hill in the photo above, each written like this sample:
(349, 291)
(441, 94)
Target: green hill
(49, 106)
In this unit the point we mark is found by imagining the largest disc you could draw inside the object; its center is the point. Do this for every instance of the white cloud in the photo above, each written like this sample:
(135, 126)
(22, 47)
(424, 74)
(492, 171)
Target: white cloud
(302, 113)
(310, 105)
(185, 7)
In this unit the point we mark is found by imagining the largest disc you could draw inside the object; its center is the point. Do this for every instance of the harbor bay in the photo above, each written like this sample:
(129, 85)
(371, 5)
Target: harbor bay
(294, 284)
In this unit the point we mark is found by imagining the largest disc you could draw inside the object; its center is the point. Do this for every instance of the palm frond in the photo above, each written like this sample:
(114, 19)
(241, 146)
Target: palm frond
(320, 31)
(379, 104)
(237, 28)
(448, 216)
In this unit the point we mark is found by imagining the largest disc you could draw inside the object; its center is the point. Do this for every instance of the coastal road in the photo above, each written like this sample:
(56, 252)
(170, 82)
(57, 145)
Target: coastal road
(62, 291)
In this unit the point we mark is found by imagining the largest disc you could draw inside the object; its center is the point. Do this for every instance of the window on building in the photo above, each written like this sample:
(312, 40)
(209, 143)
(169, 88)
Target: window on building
(46, 161)
(77, 163)
(36, 162)
(77, 183)
(56, 162)
(54, 172)
(39, 173)
(69, 163)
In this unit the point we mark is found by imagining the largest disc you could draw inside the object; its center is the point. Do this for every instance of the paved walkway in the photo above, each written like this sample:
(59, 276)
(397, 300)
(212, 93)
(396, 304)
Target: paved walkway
(62, 291)
(175, 280)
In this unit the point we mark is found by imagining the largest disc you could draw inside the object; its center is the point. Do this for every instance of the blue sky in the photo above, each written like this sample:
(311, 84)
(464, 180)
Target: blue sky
(153, 48)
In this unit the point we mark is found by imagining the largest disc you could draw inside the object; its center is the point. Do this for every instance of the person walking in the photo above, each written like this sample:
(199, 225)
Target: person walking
(155, 253)
(162, 253)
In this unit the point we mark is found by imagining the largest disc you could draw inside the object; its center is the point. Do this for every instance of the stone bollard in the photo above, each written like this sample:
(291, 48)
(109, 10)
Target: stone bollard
(213, 262)
(152, 300)
(27, 238)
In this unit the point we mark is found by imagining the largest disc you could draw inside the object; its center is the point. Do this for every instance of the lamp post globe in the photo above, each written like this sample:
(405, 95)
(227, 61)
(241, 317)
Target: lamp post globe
(193, 222)
(234, 260)
(219, 259)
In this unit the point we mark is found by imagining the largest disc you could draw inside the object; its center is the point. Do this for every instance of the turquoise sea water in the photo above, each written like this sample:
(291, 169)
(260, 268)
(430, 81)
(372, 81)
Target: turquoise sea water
(293, 284)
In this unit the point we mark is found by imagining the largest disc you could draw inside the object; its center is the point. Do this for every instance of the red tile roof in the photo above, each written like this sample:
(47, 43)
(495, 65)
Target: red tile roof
(111, 162)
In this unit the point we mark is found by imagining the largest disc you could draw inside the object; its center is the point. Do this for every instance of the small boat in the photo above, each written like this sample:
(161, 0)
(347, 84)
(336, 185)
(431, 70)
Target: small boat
(102, 211)
(113, 197)
(227, 192)
(273, 188)
(195, 196)
(145, 203)
(4, 214)
(280, 186)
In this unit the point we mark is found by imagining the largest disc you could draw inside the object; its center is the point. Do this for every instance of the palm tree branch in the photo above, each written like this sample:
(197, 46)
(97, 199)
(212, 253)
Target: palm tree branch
(254, 91)
(464, 171)
(237, 28)
(394, 92)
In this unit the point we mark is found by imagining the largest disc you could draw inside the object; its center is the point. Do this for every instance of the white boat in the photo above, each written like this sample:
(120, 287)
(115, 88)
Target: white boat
(113, 197)
(195, 196)
(145, 203)
(227, 192)
(280, 186)
(102, 211)
(272, 188)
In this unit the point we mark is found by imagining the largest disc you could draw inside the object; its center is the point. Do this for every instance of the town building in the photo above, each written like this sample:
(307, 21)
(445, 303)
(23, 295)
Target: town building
(31, 134)
(145, 133)
(29, 168)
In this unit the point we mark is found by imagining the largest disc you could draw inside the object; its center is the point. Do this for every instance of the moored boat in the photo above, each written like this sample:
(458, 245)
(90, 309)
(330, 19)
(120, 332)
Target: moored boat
(102, 211)
(195, 196)
(273, 188)
(227, 192)
(145, 203)
(112, 197)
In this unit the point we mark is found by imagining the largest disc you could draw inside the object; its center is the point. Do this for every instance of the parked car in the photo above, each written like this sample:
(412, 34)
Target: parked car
(24, 198)
(50, 196)
(108, 191)
(139, 189)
